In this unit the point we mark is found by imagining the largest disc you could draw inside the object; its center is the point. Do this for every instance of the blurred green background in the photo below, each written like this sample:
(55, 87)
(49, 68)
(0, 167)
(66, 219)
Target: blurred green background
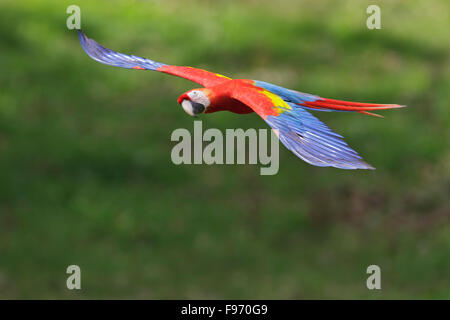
(86, 176)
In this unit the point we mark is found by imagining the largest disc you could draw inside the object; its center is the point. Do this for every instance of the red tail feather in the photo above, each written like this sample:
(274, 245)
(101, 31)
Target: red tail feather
(371, 114)
(332, 104)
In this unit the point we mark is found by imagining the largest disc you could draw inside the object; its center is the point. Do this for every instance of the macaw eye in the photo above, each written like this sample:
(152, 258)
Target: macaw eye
(192, 108)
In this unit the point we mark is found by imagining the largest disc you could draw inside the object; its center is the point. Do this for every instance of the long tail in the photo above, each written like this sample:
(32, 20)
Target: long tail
(339, 105)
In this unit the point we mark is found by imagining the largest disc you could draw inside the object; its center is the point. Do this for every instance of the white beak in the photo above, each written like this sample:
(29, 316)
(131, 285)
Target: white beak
(187, 106)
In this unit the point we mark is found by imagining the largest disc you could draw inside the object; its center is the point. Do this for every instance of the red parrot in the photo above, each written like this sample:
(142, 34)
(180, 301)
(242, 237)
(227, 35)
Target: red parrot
(283, 109)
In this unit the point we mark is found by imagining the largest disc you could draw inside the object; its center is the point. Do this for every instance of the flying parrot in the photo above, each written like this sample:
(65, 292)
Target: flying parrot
(285, 110)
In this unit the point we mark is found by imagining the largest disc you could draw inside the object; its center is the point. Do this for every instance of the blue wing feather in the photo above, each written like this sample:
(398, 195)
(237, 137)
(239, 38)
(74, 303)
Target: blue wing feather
(287, 94)
(294, 96)
(306, 136)
(113, 58)
(311, 140)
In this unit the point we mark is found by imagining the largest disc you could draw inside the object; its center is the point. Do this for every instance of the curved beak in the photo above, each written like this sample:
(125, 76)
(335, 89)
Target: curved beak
(192, 108)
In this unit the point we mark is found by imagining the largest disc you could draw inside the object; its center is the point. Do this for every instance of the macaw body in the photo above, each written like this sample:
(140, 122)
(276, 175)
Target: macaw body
(283, 109)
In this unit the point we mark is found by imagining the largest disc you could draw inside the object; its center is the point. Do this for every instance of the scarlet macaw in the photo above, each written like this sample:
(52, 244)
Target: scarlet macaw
(283, 109)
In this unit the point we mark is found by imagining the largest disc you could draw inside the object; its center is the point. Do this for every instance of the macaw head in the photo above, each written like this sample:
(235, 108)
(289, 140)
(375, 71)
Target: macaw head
(195, 101)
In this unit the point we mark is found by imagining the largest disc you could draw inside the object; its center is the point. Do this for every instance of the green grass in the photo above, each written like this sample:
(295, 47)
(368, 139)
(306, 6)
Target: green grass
(86, 176)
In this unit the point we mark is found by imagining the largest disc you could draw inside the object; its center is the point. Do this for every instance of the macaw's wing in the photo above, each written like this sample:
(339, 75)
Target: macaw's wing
(314, 102)
(302, 133)
(112, 58)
